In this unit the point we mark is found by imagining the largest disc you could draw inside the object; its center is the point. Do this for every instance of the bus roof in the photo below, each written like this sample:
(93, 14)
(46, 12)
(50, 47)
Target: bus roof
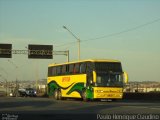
(88, 60)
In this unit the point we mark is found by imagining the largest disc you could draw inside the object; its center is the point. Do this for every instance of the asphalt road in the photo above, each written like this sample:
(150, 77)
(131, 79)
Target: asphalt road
(49, 108)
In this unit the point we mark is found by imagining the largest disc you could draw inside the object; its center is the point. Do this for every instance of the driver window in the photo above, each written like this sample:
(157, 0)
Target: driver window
(112, 78)
(99, 80)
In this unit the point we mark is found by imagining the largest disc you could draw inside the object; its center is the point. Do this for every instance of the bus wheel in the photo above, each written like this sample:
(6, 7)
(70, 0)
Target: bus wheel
(84, 96)
(59, 95)
(56, 94)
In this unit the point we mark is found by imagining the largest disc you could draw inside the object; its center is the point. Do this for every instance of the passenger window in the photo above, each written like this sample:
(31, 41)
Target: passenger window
(89, 67)
(59, 70)
(99, 79)
(67, 69)
(54, 71)
(83, 68)
(76, 68)
(64, 69)
(71, 66)
(50, 69)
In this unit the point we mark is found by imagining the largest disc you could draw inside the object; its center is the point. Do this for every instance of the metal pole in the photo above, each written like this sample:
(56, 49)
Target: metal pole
(37, 75)
(67, 55)
(17, 84)
(6, 83)
(78, 49)
(78, 40)
(6, 87)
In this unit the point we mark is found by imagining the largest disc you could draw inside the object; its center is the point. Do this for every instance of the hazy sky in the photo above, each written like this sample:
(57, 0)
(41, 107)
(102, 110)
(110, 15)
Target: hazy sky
(128, 30)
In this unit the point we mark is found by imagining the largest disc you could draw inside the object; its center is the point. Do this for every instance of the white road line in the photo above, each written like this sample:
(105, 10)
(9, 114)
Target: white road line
(157, 108)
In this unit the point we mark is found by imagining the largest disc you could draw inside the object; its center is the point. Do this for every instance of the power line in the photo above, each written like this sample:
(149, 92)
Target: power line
(114, 34)
(124, 31)
(68, 43)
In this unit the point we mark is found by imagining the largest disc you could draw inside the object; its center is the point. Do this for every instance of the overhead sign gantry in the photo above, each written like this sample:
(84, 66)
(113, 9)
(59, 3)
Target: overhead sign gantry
(34, 51)
(5, 50)
(40, 51)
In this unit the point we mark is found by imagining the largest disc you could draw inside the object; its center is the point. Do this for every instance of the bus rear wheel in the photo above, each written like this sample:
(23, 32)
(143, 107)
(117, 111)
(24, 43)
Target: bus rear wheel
(57, 95)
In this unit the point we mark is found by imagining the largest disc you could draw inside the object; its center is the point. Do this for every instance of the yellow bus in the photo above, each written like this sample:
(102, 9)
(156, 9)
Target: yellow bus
(86, 79)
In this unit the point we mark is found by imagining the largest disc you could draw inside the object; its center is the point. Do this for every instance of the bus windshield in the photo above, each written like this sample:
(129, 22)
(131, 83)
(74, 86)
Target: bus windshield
(109, 80)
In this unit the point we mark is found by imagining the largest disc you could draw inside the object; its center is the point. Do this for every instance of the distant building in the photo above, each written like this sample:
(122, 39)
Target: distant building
(142, 87)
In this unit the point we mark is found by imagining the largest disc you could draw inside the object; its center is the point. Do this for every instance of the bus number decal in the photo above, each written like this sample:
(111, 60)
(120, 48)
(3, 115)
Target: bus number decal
(66, 79)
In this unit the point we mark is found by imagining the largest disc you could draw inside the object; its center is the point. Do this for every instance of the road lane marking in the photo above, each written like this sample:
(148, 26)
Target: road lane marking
(143, 107)
(137, 106)
(156, 108)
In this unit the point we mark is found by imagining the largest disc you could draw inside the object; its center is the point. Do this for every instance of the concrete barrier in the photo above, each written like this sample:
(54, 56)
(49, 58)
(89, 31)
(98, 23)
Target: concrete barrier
(2, 93)
(142, 96)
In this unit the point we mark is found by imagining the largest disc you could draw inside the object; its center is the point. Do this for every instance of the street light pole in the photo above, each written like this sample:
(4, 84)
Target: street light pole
(15, 67)
(17, 85)
(78, 49)
(78, 40)
(67, 55)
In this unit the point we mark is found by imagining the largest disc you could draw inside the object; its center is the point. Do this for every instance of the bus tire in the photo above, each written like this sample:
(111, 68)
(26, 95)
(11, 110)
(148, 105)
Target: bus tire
(59, 95)
(84, 96)
(56, 94)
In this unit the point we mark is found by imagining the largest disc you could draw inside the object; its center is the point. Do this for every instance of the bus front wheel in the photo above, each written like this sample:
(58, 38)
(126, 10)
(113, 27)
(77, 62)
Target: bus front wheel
(84, 96)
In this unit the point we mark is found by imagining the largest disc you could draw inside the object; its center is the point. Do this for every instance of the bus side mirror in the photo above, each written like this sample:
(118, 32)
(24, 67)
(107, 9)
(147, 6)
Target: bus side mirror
(125, 77)
(91, 82)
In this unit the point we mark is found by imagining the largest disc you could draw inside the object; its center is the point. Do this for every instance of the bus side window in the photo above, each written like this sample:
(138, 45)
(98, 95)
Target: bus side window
(59, 70)
(67, 69)
(83, 68)
(76, 68)
(50, 69)
(71, 66)
(89, 67)
(63, 69)
(54, 73)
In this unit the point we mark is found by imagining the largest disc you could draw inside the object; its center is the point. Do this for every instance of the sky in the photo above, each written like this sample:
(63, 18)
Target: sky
(125, 30)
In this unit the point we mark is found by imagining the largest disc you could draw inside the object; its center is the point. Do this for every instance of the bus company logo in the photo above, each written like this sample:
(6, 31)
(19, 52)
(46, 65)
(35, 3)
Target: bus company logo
(66, 79)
